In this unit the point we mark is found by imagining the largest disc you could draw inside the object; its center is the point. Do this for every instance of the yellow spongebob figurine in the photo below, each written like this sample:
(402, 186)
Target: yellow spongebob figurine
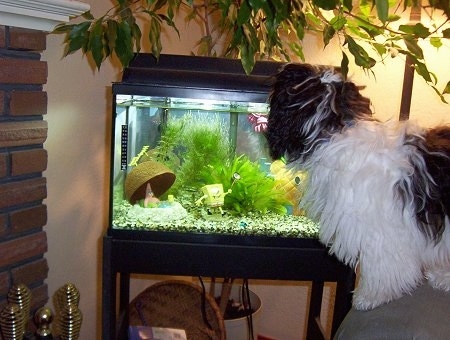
(213, 197)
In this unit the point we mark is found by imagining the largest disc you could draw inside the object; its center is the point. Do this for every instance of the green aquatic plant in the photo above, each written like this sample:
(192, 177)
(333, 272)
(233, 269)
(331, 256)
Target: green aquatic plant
(205, 144)
(197, 141)
(252, 190)
(201, 147)
(169, 142)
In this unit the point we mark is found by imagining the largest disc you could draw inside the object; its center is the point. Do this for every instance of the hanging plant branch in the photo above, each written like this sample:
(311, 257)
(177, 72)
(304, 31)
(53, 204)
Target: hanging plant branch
(367, 30)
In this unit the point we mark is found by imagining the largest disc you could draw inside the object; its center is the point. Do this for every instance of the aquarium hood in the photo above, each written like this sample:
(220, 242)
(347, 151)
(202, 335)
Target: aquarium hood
(200, 75)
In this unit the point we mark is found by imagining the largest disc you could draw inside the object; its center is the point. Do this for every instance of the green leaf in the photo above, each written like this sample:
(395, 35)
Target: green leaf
(447, 89)
(159, 4)
(315, 21)
(87, 15)
(79, 30)
(78, 37)
(75, 44)
(62, 28)
(247, 56)
(249, 33)
(407, 29)
(413, 47)
(418, 30)
(111, 34)
(421, 31)
(338, 22)
(244, 13)
(382, 10)
(380, 48)
(124, 46)
(155, 37)
(204, 45)
(446, 33)
(136, 34)
(262, 4)
(394, 17)
(436, 42)
(328, 34)
(344, 65)
(422, 70)
(439, 94)
(300, 31)
(362, 58)
(95, 44)
(348, 4)
(172, 8)
(298, 50)
(326, 4)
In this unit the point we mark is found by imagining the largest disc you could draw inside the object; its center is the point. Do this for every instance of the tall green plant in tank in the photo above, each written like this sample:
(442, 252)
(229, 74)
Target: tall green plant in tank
(205, 142)
(194, 142)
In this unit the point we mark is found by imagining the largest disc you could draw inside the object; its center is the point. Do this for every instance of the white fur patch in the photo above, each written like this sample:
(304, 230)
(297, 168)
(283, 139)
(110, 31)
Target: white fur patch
(352, 192)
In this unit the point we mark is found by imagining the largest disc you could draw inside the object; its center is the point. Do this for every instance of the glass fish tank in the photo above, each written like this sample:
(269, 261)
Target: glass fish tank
(189, 156)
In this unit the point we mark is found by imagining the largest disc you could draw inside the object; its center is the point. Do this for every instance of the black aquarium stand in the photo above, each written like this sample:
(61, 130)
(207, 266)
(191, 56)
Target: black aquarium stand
(268, 258)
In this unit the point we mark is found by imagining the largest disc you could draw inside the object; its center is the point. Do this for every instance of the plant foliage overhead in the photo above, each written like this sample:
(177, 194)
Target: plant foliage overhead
(368, 31)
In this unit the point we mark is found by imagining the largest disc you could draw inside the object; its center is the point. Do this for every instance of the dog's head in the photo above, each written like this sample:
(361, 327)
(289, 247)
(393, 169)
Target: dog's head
(307, 105)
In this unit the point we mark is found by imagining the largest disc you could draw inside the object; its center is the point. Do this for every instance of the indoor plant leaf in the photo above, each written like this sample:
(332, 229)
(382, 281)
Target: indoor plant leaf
(124, 45)
(95, 44)
(382, 9)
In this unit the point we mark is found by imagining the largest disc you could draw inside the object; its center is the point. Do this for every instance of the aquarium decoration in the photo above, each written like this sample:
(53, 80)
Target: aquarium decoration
(146, 177)
(207, 174)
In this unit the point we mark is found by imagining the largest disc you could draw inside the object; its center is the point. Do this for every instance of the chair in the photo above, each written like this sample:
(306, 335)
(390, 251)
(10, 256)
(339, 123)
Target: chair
(178, 304)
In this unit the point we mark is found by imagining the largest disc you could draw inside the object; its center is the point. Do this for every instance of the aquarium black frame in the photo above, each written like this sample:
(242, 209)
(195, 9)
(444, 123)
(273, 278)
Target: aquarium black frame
(126, 252)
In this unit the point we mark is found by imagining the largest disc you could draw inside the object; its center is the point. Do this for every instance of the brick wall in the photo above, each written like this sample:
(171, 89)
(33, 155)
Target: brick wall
(23, 103)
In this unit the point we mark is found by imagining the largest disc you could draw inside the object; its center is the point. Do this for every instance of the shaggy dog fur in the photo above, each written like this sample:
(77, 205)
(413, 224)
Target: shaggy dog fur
(380, 191)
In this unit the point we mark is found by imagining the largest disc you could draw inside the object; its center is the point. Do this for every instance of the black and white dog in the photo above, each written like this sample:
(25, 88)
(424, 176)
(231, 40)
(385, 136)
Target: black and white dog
(380, 191)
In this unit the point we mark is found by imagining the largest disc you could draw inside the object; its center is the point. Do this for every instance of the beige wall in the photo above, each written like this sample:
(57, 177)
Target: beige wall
(78, 168)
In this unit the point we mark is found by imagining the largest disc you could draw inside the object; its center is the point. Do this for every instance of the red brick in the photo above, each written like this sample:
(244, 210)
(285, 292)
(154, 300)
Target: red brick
(28, 103)
(4, 283)
(23, 71)
(3, 225)
(4, 165)
(30, 273)
(26, 39)
(28, 161)
(2, 37)
(22, 248)
(2, 102)
(21, 192)
(27, 219)
(23, 133)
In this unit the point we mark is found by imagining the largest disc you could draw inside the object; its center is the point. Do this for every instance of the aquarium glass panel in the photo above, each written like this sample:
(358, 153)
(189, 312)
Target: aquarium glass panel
(201, 166)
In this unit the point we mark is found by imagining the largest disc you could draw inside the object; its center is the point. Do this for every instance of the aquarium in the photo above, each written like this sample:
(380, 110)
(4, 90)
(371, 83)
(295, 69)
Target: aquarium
(189, 156)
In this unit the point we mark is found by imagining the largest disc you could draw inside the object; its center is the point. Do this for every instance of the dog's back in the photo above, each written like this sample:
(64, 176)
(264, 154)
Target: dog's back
(381, 192)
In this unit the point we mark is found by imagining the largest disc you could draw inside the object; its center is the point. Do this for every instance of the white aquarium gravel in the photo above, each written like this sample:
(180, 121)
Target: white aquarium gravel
(178, 219)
